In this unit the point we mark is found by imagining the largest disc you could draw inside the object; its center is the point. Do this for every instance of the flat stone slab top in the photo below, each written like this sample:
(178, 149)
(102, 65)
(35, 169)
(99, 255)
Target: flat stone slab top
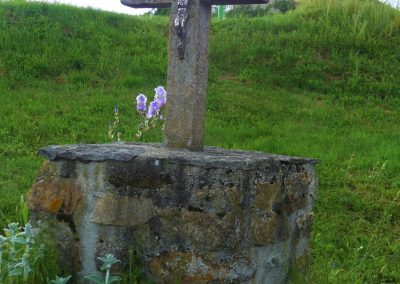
(211, 216)
(125, 152)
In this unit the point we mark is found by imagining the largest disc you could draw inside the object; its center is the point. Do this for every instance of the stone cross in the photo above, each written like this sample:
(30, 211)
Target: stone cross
(187, 67)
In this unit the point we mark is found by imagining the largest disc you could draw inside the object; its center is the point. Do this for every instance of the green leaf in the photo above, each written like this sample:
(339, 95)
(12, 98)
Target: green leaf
(20, 240)
(114, 279)
(95, 278)
(3, 240)
(15, 272)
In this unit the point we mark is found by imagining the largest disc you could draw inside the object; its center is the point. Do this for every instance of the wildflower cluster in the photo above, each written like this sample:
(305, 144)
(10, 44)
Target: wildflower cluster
(150, 114)
(153, 113)
(19, 253)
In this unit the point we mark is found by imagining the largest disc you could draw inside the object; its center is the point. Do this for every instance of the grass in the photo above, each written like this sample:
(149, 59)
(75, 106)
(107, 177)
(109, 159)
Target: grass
(358, 205)
(323, 46)
(321, 81)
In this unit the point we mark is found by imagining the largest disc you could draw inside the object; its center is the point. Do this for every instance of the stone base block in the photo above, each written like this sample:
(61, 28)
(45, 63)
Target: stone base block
(217, 216)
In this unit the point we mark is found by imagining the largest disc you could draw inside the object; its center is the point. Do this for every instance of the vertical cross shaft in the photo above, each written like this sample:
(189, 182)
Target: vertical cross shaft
(187, 76)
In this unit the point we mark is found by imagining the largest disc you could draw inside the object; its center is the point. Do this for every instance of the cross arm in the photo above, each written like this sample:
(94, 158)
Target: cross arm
(167, 3)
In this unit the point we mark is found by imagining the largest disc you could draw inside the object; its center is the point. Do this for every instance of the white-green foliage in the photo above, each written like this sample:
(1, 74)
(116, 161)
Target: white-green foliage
(108, 261)
(60, 280)
(20, 253)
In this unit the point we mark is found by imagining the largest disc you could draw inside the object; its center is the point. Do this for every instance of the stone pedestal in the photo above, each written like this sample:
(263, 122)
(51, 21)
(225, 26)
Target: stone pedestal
(217, 216)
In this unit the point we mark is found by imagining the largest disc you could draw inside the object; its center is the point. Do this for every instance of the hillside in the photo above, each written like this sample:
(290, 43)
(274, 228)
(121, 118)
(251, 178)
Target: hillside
(321, 81)
(354, 48)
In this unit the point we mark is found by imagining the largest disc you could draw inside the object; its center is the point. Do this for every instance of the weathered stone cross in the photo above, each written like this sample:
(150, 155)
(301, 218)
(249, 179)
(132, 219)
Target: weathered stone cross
(187, 67)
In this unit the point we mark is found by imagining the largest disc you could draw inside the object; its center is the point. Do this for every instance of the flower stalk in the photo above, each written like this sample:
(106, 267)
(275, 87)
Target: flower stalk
(152, 114)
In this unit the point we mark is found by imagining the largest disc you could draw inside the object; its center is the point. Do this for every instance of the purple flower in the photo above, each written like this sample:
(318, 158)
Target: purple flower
(141, 101)
(153, 110)
(160, 96)
(116, 109)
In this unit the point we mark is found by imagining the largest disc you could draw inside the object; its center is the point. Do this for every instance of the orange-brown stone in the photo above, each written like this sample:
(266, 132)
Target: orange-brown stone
(53, 194)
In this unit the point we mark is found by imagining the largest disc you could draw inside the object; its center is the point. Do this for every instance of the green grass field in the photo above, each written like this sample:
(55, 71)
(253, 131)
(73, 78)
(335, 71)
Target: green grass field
(321, 81)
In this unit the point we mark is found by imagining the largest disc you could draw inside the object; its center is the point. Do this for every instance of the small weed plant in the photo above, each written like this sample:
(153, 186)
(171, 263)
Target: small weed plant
(108, 261)
(60, 280)
(113, 127)
(133, 276)
(21, 255)
(25, 257)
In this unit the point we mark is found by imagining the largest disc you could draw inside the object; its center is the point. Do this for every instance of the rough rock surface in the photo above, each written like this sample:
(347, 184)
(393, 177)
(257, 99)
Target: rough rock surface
(217, 216)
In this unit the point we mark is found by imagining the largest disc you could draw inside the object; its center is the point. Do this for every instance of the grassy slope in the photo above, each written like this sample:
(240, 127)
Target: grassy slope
(321, 82)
